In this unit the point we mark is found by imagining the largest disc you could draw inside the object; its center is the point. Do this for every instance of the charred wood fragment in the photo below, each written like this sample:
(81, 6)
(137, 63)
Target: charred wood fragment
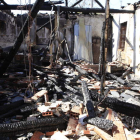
(132, 121)
(126, 72)
(80, 70)
(71, 89)
(12, 112)
(96, 76)
(28, 108)
(8, 107)
(87, 100)
(69, 95)
(76, 78)
(44, 129)
(99, 122)
(116, 104)
(23, 125)
(120, 80)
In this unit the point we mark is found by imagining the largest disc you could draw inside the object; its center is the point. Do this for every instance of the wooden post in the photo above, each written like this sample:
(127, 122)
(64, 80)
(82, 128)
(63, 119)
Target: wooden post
(105, 46)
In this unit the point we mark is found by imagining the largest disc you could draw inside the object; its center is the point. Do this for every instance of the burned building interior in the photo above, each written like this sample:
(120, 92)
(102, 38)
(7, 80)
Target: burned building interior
(71, 73)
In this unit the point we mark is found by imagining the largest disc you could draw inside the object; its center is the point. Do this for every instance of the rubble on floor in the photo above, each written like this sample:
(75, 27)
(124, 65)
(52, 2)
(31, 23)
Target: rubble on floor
(65, 103)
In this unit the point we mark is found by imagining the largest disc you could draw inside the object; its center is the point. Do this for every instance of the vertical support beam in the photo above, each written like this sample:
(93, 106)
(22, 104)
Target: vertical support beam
(72, 40)
(109, 53)
(21, 36)
(66, 3)
(105, 47)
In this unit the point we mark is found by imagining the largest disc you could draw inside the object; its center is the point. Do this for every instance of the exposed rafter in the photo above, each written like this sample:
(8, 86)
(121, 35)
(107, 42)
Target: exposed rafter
(65, 9)
(99, 4)
(2, 1)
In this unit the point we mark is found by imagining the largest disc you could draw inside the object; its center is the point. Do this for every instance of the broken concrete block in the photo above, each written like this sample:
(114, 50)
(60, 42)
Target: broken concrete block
(37, 136)
(58, 136)
(43, 108)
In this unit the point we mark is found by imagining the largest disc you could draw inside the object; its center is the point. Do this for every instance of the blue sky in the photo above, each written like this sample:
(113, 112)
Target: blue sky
(116, 4)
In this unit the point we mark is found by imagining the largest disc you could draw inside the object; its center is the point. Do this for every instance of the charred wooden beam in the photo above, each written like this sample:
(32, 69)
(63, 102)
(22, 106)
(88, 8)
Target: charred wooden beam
(100, 122)
(21, 36)
(101, 49)
(132, 121)
(12, 112)
(105, 47)
(76, 3)
(102, 60)
(93, 10)
(23, 7)
(119, 79)
(80, 70)
(99, 4)
(96, 76)
(126, 72)
(23, 125)
(66, 2)
(87, 100)
(59, 127)
(116, 104)
(6, 108)
(65, 9)
(54, 18)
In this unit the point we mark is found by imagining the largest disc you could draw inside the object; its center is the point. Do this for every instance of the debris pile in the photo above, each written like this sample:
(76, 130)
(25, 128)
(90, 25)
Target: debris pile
(64, 102)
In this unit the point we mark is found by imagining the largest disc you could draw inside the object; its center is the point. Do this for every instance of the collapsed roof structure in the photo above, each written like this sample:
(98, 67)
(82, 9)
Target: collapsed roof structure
(71, 74)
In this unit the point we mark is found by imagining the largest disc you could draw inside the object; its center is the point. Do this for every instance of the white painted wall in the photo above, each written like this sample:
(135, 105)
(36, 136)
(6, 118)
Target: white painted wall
(115, 35)
(138, 42)
(131, 53)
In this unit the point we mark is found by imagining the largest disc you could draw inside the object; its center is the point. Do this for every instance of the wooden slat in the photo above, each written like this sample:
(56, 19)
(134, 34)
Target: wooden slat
(118, 130)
